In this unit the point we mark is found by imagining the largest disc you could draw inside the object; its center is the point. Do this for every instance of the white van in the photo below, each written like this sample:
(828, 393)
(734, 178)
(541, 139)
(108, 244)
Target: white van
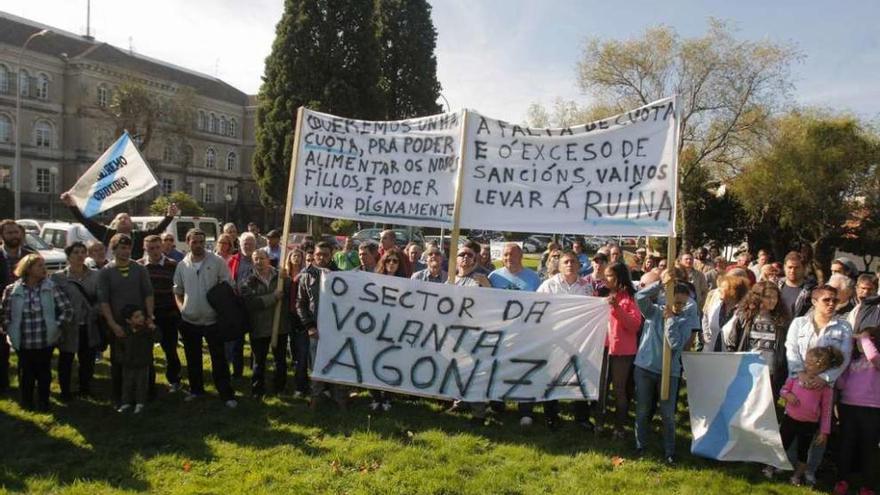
(180, 225)
(63, 234)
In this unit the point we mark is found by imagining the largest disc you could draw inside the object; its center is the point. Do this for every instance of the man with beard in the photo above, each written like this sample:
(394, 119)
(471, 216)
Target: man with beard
(12, 251)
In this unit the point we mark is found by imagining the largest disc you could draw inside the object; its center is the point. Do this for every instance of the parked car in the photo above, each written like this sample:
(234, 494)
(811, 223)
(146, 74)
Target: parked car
(444, 241)
(30, 225)
(180, 225)
(402, 235)
(56, 260)
(297, 238)
(63, 234)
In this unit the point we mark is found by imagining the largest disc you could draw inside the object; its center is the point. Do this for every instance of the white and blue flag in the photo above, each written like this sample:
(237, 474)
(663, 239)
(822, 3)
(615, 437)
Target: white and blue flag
(119, 175)
(730, 399)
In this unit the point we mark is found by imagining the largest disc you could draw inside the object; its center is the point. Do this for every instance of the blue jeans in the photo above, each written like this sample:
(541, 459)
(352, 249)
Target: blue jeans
(647, 394)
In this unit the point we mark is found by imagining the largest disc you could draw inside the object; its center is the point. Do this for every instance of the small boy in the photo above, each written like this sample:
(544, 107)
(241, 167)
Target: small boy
(137, 356)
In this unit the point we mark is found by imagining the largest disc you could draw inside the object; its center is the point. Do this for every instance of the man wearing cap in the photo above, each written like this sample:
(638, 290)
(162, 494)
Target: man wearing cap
(121, 283)
(273, 249)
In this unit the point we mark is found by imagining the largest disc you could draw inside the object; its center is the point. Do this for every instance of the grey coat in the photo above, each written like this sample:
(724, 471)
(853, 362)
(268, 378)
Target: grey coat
(83, 295)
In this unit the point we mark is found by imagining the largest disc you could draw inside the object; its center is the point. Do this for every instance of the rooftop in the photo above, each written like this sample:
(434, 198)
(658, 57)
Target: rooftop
(15, 30)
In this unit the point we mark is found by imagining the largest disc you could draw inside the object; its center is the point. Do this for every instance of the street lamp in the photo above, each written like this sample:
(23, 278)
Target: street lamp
(53, 172)
(228, 198)
(16, 167)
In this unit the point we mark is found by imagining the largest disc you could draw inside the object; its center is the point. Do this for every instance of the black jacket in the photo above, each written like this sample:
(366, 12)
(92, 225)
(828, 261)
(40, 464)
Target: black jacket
(104, 233)
(804, 300)
(869, 314)
(232, 317)
(307, 298)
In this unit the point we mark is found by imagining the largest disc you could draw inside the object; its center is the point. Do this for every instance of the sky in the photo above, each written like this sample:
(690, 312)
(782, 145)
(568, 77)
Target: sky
(500, 56)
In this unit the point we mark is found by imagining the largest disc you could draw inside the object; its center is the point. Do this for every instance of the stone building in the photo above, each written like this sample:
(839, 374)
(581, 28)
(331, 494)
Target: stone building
(67, 82)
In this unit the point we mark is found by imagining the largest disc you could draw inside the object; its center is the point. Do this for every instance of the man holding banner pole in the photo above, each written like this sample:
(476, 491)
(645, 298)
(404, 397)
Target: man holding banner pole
(119, 175)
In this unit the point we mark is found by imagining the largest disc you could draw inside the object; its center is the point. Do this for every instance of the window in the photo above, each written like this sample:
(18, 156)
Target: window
(102, 140)
(5, 129)
(213, 124)
(203, 121)
(4, 79)
(43, 87)
(210, 158)
(167, 186)
(168, 153)
(232, 126)
(231, 161)
(43, 135)
(183, 227)
(230, 191)
(208, 193)
(6, 177)
(24, 82)
(44, 180)
(189, 188)
(103, 96)
(187, 158)
(224, 126)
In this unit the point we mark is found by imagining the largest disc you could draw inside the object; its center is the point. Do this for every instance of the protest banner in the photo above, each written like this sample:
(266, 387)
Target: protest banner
(120, 174)
(443, 341)
(731, 408)
(616, 176)
(400, 172)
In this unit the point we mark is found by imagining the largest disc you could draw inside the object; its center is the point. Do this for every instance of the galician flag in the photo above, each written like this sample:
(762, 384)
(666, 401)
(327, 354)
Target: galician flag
(731, 406)
(119, 175)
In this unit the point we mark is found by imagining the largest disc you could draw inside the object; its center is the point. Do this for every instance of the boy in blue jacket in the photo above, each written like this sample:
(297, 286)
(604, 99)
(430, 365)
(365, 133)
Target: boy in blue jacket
(673, 323)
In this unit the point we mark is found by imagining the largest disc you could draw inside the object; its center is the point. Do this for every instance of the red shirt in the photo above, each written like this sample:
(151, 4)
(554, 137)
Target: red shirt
(623, 326)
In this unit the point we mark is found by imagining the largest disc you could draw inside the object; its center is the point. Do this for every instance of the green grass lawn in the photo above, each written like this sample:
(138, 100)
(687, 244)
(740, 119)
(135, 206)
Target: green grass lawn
(279, 445)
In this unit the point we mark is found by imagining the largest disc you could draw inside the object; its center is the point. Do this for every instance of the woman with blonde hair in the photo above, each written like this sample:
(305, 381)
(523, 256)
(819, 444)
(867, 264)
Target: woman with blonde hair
(33, 310)
(720, 307)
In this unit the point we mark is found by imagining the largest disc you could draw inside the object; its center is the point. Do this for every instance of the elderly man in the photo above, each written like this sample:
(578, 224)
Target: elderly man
(413, 253)
(368, 255)
(169, 247)
(434, 271)
(695, 277)
(121, 224)
(273, 249)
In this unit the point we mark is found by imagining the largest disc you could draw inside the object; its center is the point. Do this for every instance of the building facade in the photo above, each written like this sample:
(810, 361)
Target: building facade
(67, 83)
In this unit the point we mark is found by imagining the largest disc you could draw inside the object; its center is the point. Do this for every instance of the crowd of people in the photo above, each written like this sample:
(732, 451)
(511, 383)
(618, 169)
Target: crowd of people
(818, 337)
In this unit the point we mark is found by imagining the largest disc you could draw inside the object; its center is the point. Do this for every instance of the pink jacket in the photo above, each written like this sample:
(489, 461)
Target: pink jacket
(860, 384)
(814, 406)
(623, 326)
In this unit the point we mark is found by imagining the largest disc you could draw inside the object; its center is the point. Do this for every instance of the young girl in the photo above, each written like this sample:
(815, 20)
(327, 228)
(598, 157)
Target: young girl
(760, 325)
(859, 411)
(807, 410)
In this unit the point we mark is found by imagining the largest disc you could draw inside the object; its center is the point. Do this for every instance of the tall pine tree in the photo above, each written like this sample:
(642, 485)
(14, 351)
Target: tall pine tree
(407, 40)
(324, 57)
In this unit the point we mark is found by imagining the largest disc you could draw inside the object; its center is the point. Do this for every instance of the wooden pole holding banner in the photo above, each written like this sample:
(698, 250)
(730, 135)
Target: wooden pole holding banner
(456, 207)
(671, 255)
(288, 216)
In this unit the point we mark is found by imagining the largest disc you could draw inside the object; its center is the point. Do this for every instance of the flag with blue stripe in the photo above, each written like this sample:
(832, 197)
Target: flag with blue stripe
(120, 174)
(730, 399)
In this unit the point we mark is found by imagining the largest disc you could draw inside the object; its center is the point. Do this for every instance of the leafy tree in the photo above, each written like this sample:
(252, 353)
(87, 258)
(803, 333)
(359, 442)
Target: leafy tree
(813, 172)
(325, 56)
(187, 204)
(407, 40)
(139, 111)
(726, 88)
(343, 227)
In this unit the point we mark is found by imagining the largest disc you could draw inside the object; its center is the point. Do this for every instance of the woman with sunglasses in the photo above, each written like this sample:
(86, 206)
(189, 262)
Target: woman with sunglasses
(818, 328)
(389, 264)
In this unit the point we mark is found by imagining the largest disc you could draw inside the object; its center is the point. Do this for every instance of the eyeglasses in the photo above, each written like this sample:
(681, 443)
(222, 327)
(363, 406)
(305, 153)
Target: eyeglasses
(465, 255)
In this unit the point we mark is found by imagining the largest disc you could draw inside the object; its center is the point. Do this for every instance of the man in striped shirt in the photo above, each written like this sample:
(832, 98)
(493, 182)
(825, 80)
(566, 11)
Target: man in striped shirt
(161, 271)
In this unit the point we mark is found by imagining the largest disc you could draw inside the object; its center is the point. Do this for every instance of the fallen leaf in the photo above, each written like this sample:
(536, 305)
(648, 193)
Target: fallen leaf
(187, 466)
(616, 461)
(336, 467)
